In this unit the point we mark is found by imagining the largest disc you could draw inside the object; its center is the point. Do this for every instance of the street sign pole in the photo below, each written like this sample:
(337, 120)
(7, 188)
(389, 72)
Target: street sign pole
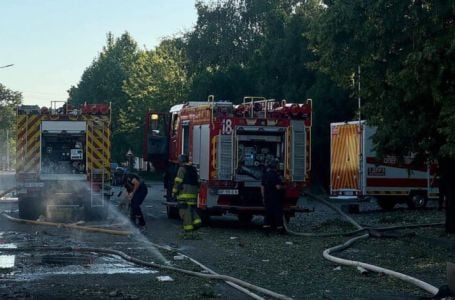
(7, 150)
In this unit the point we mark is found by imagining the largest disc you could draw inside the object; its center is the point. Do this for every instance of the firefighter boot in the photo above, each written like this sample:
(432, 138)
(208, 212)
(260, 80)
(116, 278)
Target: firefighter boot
(267, 229)
(281, 230)
(197, 223)
(186, 235)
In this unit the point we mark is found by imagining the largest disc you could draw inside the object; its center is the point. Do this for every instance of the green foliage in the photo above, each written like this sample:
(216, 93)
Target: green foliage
(273, 60)
(159, 78)
(157, 81)
(296, 49)
(222, 36)
(102, 82)
(232, 84)
(9, 100)
(330, 104)
(134, 81)
(406, 53)
(280, 63)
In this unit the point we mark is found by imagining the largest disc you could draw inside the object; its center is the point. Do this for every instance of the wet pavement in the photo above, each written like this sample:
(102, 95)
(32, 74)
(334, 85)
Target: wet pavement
(289, 265)
(32, 274)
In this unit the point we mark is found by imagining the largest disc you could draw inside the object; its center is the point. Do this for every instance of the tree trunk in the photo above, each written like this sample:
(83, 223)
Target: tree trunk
(449, 191)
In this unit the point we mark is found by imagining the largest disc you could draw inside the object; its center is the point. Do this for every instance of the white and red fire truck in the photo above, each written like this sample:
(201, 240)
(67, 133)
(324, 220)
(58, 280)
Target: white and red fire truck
(356, 172)
(62, 164)
(230, 146)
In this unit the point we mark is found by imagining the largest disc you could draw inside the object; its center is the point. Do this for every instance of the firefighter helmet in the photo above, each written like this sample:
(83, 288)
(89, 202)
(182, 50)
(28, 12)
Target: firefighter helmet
(183, 158)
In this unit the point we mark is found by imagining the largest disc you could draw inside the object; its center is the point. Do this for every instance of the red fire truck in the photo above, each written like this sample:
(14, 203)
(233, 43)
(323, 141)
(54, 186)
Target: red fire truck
(230, 146)
(62, 165)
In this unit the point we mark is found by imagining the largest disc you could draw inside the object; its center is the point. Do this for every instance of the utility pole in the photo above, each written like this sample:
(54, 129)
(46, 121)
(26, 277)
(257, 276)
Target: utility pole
(7, 150)
(361, 166)
(130, 157)
(359, 100)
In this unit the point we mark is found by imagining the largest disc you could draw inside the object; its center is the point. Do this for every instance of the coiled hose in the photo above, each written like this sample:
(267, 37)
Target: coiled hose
(327, 252)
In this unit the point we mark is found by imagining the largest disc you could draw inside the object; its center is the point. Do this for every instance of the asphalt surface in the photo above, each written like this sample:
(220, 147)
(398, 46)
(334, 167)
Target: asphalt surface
(290, 265)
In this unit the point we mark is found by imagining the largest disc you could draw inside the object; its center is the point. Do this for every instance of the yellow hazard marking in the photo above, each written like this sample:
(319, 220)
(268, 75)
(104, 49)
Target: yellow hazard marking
(345, 157)
(98, 144)
(28, 143)
(214, 139)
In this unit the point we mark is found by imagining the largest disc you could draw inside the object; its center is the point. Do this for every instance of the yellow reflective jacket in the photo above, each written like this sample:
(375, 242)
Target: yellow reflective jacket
(182, 191)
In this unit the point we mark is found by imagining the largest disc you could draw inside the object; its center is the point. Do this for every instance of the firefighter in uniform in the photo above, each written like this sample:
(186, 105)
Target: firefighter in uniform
(186, 189)
(272, 195)
(137, 191)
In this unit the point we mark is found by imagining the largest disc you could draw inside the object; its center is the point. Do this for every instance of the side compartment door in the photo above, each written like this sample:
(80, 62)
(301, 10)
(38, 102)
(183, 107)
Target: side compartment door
(201, 150)
(344, 159)
(225, 157)
(299, 153)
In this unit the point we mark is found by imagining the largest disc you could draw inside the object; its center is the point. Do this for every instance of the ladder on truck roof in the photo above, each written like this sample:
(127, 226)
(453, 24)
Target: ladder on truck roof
(97, 168)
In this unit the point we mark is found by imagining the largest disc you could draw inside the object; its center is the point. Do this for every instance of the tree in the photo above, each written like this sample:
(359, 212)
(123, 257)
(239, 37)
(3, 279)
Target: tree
(272, 60)
(103, 82)
(222, 36)
(220, 48)
(158, 80)
(9, 100)
(407, 56)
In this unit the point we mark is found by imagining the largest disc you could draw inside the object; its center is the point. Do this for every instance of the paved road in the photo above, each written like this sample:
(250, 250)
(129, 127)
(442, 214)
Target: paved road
(55, 275)
(289, 265)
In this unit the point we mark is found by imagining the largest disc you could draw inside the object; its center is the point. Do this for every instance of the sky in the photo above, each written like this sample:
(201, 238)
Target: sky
(52, 42)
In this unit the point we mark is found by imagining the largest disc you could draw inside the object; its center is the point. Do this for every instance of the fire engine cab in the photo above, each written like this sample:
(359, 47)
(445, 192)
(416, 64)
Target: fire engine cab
(230, 145)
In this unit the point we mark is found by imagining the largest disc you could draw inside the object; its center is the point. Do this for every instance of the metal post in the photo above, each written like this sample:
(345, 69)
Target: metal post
(359, 99)
(361, 173)
(130, 156)
(7, 150)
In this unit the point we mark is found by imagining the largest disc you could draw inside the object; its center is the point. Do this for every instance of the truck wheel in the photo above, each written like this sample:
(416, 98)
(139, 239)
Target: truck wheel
(172, 212)
(205, 217)
(245, 219)
(29, 208)
(287, 218)
(386, 203)
(417, 201)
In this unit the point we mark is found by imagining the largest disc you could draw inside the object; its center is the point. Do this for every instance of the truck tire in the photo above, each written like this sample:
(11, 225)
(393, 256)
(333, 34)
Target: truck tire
(172, 212)
(386, 203)
(287, 218)
(29, 208)
(205, 217)
(417, 201)
(245, 219)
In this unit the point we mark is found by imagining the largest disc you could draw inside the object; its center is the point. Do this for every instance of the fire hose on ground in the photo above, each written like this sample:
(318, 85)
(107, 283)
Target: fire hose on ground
(2, 194)
(68, 226)
(134, 260)
(327, 253)
(234, 282)
(239, 284)
(121, 232)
